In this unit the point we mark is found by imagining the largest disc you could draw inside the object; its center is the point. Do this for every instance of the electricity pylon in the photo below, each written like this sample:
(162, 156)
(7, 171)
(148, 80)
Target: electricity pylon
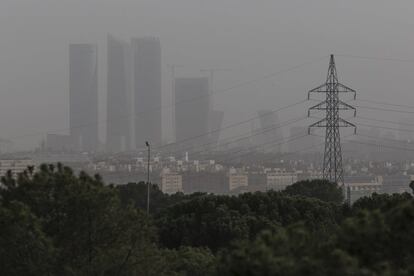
(332, 159)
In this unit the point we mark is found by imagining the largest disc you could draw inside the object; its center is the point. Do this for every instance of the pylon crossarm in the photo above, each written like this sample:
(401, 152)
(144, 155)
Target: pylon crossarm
(320, 123)
(344, 123)
(344, 106)
(323, 123)
(320, 89)
(345, 89)
(319, 106)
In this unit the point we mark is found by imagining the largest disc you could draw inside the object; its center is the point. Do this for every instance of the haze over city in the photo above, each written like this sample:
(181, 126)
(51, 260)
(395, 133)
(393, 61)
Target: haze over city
(214, 137)
(251, 39)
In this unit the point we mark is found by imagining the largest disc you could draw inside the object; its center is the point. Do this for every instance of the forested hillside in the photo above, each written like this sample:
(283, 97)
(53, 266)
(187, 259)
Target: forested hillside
(53, 222)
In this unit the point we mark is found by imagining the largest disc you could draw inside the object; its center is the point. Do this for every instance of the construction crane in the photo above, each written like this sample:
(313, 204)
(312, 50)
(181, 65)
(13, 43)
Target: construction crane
(212, 72)
(173, 68)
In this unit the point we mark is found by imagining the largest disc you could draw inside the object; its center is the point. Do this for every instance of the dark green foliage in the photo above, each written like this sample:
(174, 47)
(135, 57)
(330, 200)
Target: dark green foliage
(190, 261)
(382, 202)
(24, 249)
(320, 189)
(53, 222)
(216, 221)
(136, 194)
(370, 243)
(90, 231)
(286, 251)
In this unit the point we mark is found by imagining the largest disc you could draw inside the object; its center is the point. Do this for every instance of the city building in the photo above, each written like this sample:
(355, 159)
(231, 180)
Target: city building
(278, 180)
(146, 55)
(237, 180)
(118, 130)
(59, 142)
(171, 183)
(16, 166)
(396, 184)
(358, 190)
(270, 134)
(205, 182)
(192, 111)
(257, 181)
(83, 94)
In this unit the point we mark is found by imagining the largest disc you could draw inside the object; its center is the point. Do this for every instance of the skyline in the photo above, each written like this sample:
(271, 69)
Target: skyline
(193, 137)
(252, 40)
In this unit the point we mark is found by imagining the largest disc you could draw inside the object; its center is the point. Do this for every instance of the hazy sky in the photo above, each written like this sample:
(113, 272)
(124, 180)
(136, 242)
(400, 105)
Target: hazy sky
(253, 38)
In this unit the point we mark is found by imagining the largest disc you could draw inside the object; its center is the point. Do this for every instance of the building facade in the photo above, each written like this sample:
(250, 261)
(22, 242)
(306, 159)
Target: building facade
(171, 183)
(192, 111)
(83, 94)
(59, 142)
(279, 180)
(238, 180)
(146, 55)
(16, 166)
(271, 136)
(118, 130)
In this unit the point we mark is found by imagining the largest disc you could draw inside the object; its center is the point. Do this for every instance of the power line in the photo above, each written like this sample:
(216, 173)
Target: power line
(378, 58)
(384, 127)
(195, 176)
(384, 121)
(160, 107)
(310, 147)
(277, 142)
(380, 145)
(241, 138)
(385, 109)
(383, 138)
(385, 103)
(229, 126)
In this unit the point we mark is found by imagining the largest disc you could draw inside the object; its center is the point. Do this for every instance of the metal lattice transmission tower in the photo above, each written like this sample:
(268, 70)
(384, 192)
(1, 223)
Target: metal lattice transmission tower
(332, 159)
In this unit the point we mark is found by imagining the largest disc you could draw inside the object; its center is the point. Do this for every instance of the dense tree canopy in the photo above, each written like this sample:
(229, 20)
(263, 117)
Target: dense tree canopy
(216, 221)
(53, 222)
(320, 189)
(370, 243)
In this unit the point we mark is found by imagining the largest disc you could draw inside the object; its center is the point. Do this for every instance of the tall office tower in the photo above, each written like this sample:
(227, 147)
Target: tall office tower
(118, 130)
(192, 112)
(270, 133)
(83, 94)
(146, 53)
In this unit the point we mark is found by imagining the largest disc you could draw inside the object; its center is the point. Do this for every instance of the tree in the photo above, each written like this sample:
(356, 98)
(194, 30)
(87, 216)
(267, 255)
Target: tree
(190, 261)
(382, 202)
(286, 251)
(91, 232)
(320, 189)
(216, 221)
(24, 248)
(136, 194)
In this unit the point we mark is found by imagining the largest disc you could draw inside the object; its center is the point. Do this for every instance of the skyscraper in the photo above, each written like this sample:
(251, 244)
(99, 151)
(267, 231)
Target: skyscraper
(83, 94)
(270, 133)
(146, 53)
(118, 131)
(192, 110)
